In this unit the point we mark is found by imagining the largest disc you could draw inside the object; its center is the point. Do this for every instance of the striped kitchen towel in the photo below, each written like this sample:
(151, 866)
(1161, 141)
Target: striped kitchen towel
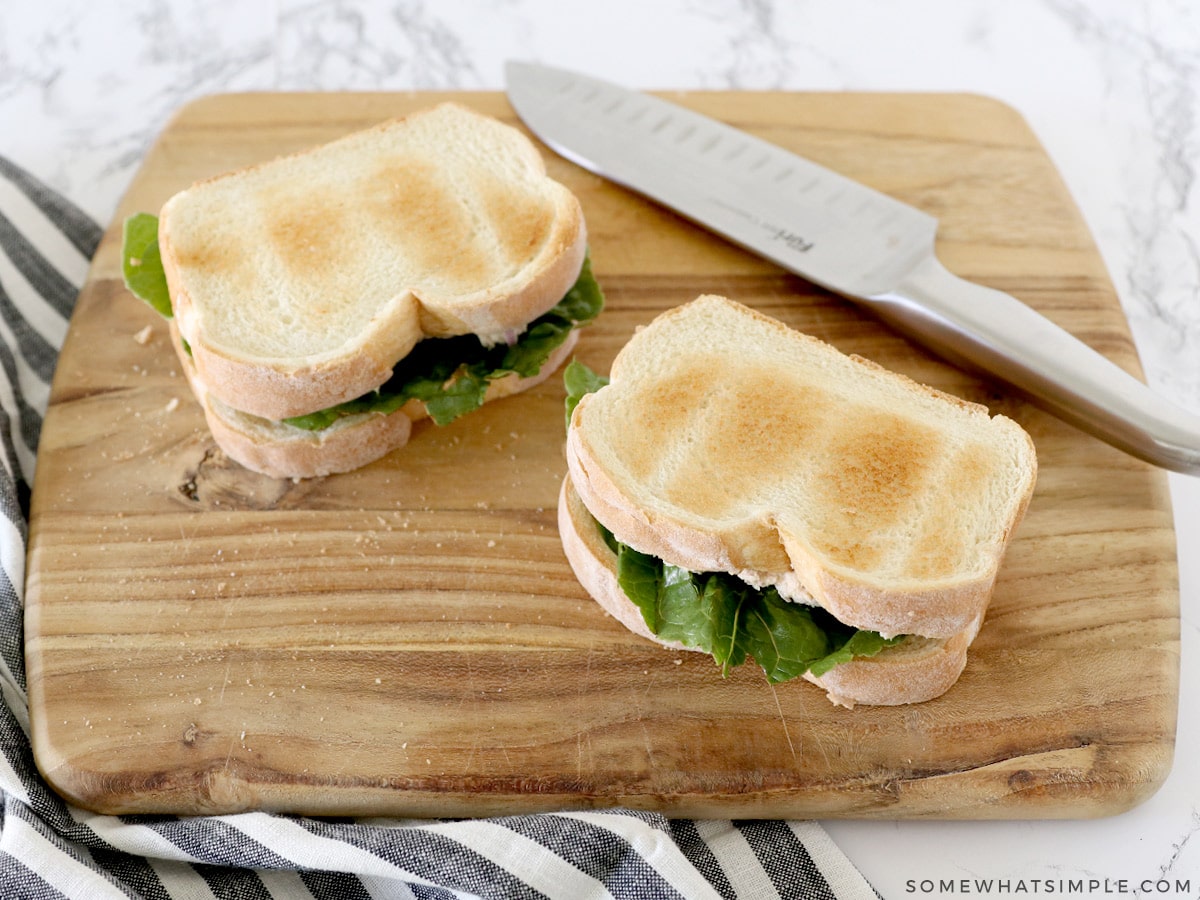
(50, 849)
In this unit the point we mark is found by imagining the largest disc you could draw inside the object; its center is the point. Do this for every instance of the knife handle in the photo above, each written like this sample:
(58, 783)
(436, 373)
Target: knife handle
(998, 334)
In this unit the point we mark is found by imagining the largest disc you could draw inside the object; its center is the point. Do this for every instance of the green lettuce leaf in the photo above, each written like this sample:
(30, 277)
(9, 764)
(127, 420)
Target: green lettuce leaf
(732, 621)
(719, 613)
(639, 576)
(422, 375)
(141, 263)
(460, 396)
(579, 380)
(584, 301)
(861, 643)
(786, 639)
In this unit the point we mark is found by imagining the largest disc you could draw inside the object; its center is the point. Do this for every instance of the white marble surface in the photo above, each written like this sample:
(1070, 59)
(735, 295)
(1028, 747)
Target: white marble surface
(1110, 87)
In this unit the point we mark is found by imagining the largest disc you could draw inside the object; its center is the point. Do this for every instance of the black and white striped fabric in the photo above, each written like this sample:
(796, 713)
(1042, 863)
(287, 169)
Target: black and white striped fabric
(49, 849)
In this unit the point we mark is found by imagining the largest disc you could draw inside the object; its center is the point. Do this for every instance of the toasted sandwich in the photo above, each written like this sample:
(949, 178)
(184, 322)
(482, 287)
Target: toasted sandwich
(323, 302)
(740, 488)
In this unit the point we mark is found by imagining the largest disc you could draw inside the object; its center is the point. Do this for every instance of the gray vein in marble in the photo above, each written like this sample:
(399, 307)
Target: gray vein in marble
(1169, 867)
(357, 47)
(440, 59)
(978, 32)
(36, 70)
(317, 37)
(761, 57)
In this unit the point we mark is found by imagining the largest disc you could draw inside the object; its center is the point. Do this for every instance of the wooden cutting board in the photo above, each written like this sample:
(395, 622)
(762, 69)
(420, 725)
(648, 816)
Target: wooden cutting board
(408, 639)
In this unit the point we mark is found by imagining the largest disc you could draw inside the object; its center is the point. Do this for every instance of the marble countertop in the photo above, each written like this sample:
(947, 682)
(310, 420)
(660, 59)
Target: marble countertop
(1111, 87)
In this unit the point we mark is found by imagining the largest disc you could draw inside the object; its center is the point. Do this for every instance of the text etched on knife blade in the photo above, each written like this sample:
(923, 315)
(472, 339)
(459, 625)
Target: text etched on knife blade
(793, 240)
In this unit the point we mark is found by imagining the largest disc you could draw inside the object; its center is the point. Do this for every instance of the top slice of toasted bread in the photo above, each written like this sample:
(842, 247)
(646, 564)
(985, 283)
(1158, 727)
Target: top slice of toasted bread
(726, 441)
(299, 283)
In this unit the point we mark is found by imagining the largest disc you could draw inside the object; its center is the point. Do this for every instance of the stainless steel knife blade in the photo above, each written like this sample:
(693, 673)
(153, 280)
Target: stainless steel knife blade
(848, 238)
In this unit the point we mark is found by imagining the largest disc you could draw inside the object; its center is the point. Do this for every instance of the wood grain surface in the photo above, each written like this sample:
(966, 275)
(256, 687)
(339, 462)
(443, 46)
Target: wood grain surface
(408, 639)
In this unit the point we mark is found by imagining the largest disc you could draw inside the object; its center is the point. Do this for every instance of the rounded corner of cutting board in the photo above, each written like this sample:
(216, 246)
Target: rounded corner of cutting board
(78, 786)
(996, 109)
(1157, 770)
(142, 789)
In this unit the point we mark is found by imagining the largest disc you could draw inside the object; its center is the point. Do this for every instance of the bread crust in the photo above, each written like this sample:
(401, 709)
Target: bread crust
(283, 451)
(347, 445)
(914, 671)
(548, 235)
(659, 497)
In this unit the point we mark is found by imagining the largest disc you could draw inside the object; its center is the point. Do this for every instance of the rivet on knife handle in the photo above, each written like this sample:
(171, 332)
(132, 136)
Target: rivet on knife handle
(848, 238)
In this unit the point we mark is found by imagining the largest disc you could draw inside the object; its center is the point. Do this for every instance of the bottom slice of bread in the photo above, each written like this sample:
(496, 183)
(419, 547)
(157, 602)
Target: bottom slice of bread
(280, 450)
(913, 671)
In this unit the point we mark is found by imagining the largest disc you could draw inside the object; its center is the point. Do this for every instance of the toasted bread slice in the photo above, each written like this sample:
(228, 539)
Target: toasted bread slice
(729, 442)
(281, 450)
(299, 283)
(913, 671)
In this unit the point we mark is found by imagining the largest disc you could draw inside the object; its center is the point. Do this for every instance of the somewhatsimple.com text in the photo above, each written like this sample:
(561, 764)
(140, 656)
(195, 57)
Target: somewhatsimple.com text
(1029, 887)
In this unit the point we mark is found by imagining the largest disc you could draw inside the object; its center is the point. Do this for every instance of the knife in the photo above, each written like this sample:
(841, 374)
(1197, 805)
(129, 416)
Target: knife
(849, 239)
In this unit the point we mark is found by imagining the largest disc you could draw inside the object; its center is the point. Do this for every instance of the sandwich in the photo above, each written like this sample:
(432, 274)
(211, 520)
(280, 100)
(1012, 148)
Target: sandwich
(742, 489)
(324, 301)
